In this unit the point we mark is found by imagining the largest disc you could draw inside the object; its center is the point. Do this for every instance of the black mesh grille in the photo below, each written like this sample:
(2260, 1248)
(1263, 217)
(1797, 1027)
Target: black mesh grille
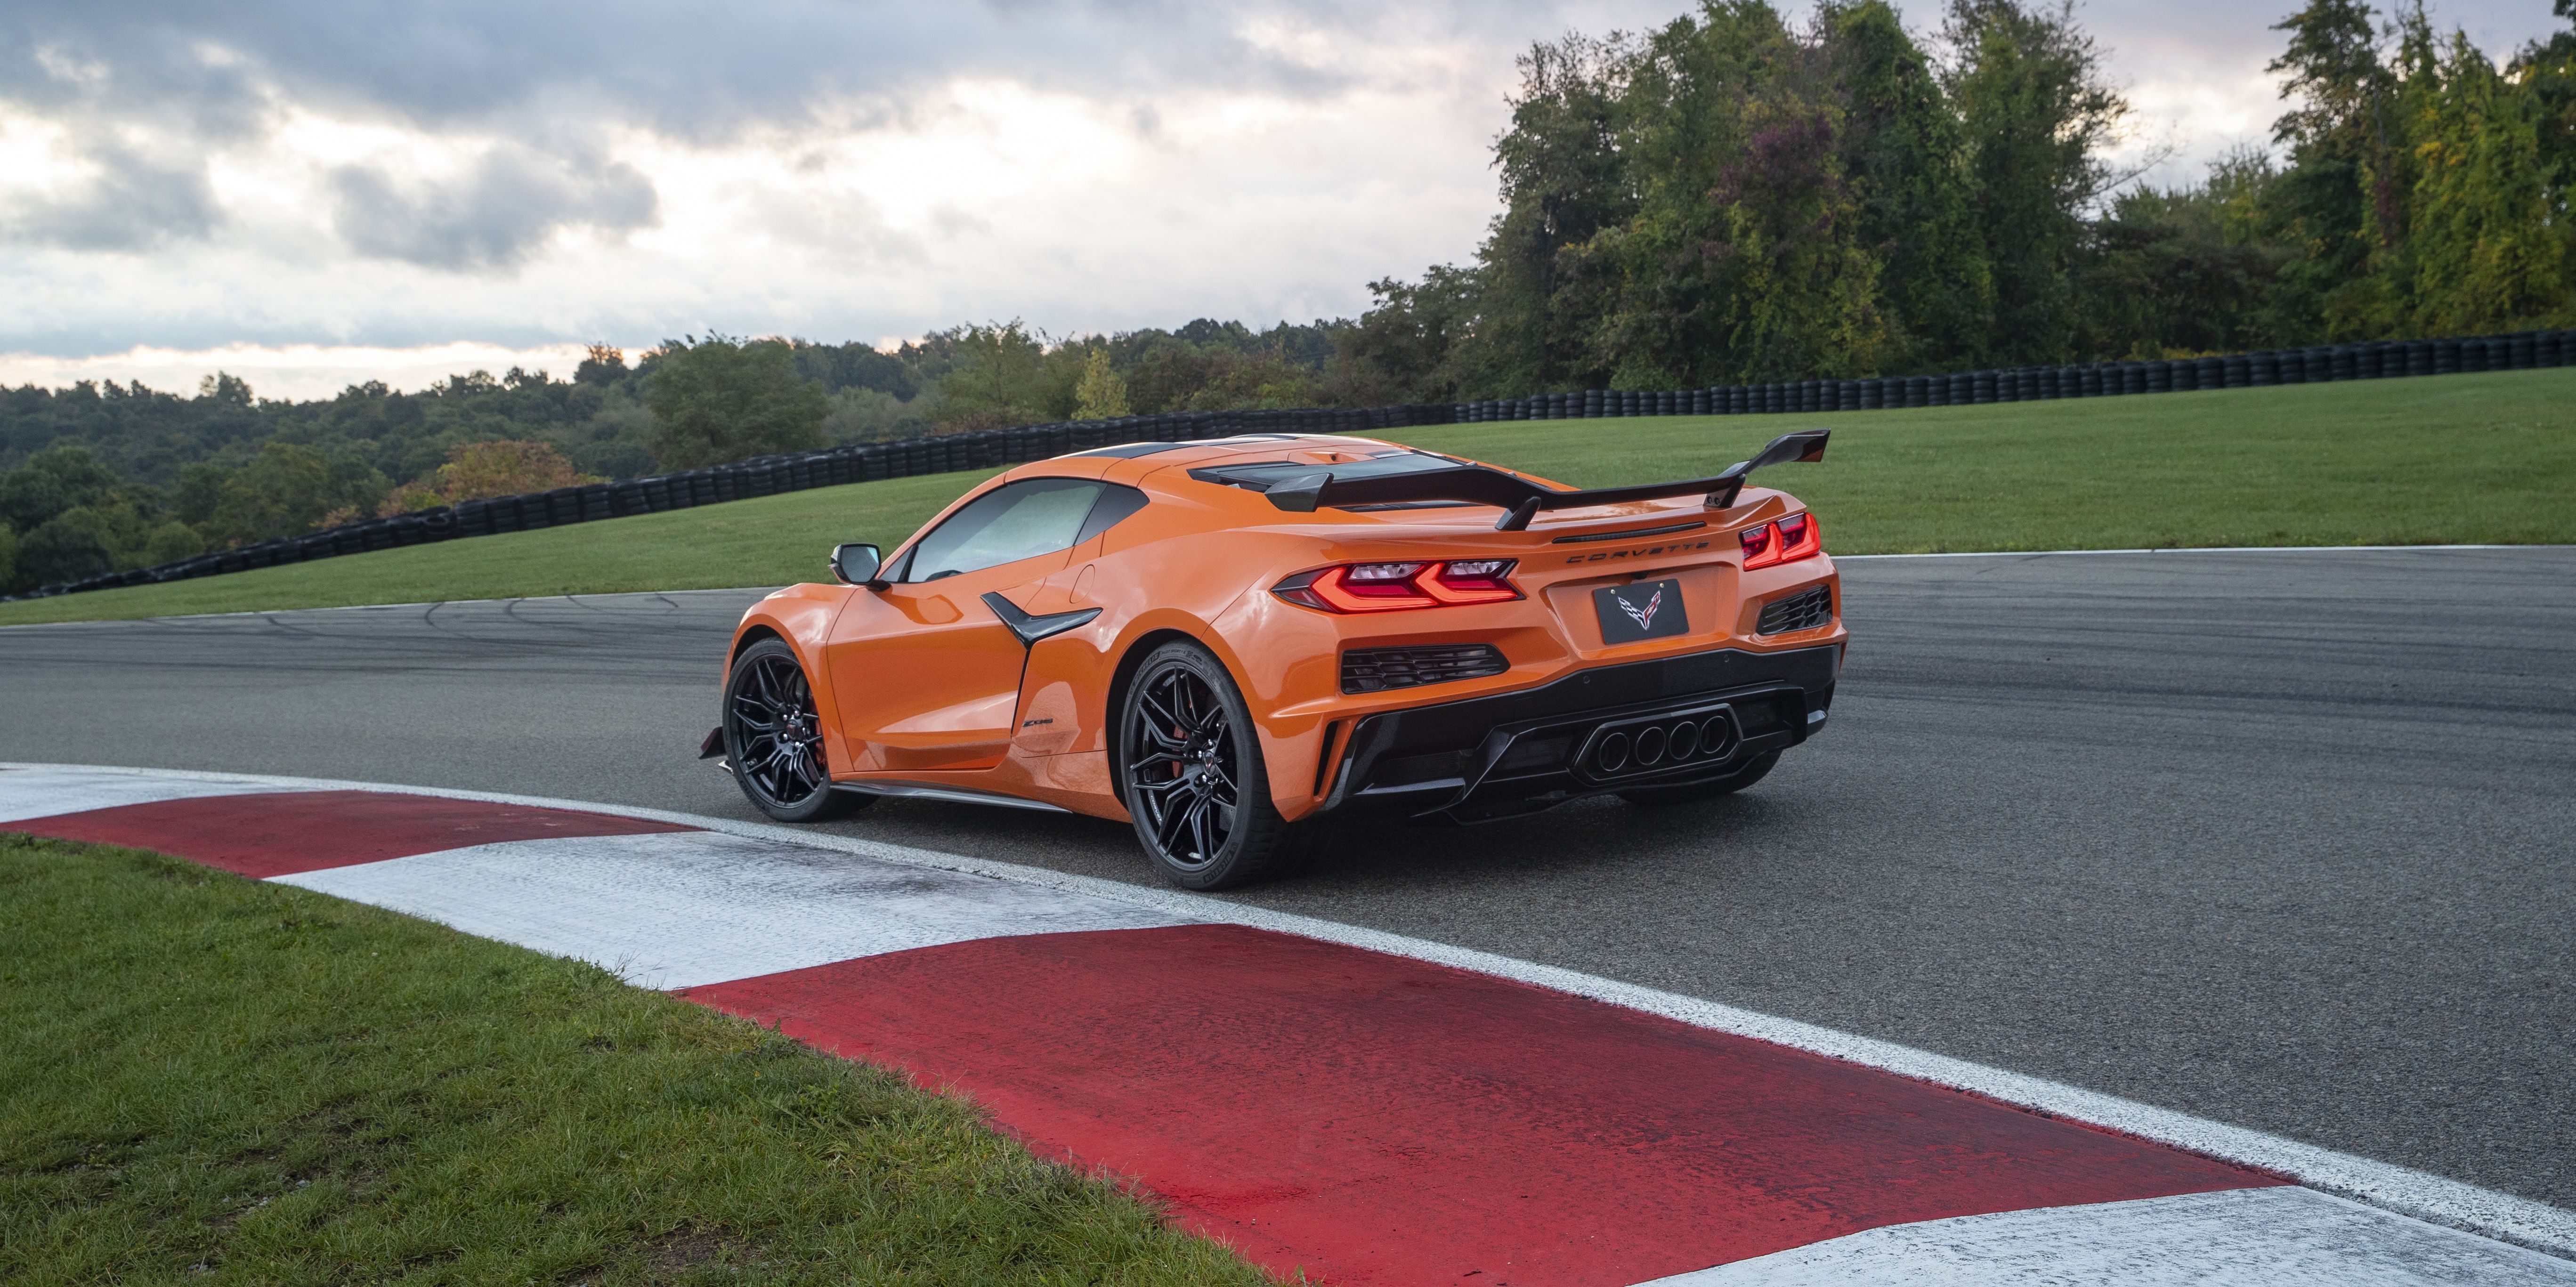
(1374, 670)
(1805, 610)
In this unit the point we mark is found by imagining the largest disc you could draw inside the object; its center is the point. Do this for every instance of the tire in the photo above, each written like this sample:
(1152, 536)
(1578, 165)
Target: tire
(1751, 773)
(774, 739)
(1192, 776)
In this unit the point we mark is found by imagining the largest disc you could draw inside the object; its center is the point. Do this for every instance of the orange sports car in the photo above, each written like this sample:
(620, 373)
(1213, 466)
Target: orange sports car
(1223, 643)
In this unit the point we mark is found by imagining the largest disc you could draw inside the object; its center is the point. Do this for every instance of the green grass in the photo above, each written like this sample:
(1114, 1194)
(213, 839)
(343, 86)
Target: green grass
(205, 1079)
(2451, 459)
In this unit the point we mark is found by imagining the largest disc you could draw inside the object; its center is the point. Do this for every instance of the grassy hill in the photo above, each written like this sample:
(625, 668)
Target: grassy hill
(2448, 459)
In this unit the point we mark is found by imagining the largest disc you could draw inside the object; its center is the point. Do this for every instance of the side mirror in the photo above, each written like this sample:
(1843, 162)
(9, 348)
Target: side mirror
(856, 564)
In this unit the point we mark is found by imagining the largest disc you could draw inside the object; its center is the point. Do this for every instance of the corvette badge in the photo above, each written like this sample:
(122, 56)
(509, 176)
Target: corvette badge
(1645, 610)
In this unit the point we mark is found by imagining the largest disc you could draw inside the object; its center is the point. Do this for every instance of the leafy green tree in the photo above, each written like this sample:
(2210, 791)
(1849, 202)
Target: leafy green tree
(171, 542)
(2341, 203)
(601, 366)
(2035, 116)
(1102, 395)
(2483, 252)
(873, 415)
(2547, 70)
(1183, 378)
(289, 489)
(1004, 374)
(9, 561)
(199, 491)
(1743, 259)
(226, 389)
(52, 481)
(2187, 269)
(1564, 181)
(70, 546)
(1415, 343)
(1903, 152)
(718, 399)
(475, 470)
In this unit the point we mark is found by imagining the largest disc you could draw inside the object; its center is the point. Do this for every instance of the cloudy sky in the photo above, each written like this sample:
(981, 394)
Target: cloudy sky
(311, 192)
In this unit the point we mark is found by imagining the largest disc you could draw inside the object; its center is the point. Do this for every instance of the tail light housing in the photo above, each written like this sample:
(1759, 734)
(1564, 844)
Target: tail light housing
(1785, 541)
(1396, 587)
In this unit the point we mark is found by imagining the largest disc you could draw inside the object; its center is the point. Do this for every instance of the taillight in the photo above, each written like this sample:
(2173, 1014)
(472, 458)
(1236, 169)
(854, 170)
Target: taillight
(1792, 538)
(1391, 587)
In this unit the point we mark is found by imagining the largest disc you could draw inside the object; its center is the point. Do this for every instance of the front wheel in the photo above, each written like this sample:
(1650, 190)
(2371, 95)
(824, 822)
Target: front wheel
(774, 739)
(1195, 784)
(1751, 773)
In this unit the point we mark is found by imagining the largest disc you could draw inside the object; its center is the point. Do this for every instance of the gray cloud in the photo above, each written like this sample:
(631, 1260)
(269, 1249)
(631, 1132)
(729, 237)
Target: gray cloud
(192, 77)
(510, 204)
(132, 203)
(683, 69)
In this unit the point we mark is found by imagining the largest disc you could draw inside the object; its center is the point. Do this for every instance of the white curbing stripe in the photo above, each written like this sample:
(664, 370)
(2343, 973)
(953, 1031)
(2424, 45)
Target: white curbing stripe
(45, 791)
(680, 909)
(2405, 1191)
(2232, 1238)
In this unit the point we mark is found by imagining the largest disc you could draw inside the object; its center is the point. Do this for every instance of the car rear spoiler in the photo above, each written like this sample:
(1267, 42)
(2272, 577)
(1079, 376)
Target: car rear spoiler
(1457, 481)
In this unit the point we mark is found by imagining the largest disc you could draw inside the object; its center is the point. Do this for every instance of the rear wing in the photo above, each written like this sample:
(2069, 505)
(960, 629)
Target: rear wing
(1419, 477)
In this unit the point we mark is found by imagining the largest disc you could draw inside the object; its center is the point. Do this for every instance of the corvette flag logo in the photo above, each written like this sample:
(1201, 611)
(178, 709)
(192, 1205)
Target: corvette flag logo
(1645, 616)
(1640, 610)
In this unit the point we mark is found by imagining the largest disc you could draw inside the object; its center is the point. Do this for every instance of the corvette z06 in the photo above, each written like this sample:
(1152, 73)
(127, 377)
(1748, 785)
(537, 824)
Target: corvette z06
(1225, 643)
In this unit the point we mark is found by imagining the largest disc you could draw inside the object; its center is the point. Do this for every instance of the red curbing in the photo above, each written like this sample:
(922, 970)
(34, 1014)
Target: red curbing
(1376, 1119)
(1347, 1107)
(281, 833)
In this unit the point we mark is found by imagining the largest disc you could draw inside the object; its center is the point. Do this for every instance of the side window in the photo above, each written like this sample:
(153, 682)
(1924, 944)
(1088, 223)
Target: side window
(1114, 505)
(1023, 520)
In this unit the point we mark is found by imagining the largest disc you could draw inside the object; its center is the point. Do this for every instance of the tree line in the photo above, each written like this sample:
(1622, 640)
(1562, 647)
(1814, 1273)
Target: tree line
(1730, 198)
(1733, 198)
(103, 476)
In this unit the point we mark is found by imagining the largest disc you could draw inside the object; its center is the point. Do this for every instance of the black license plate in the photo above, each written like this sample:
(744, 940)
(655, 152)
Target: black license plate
(1645, 610)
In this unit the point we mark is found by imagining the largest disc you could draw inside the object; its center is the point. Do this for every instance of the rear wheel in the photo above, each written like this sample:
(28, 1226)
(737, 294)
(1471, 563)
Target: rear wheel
(1730, 784)
(1195, 783)
(774, 739)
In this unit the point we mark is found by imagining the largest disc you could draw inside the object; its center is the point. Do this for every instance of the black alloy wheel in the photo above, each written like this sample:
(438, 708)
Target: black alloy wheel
(774, 738)
(1193, 777)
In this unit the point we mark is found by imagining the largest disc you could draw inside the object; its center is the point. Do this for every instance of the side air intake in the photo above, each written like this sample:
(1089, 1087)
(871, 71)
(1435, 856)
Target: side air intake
(1805, 610)
(1375, 670)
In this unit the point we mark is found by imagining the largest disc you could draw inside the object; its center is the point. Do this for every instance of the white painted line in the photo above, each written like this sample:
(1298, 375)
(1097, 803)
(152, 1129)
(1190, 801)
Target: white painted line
(2392, 1188)
(42, 791)
(680, 909)
(2238, 1238)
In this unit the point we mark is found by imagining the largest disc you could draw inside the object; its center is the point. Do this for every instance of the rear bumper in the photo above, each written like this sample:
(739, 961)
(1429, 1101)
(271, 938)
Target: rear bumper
(1489, 758)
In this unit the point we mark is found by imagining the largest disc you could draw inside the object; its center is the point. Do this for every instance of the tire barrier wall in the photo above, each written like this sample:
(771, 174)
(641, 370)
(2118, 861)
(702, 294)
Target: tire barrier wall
(998, 448)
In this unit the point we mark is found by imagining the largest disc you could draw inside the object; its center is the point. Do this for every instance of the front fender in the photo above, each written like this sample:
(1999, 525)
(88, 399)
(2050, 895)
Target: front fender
(803, 615)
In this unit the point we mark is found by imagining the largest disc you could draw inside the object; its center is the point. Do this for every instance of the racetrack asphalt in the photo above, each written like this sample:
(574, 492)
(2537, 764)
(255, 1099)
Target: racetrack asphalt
(2283, 839)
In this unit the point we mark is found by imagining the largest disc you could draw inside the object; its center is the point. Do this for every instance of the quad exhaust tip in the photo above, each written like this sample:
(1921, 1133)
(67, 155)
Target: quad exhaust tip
(1631, 747)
